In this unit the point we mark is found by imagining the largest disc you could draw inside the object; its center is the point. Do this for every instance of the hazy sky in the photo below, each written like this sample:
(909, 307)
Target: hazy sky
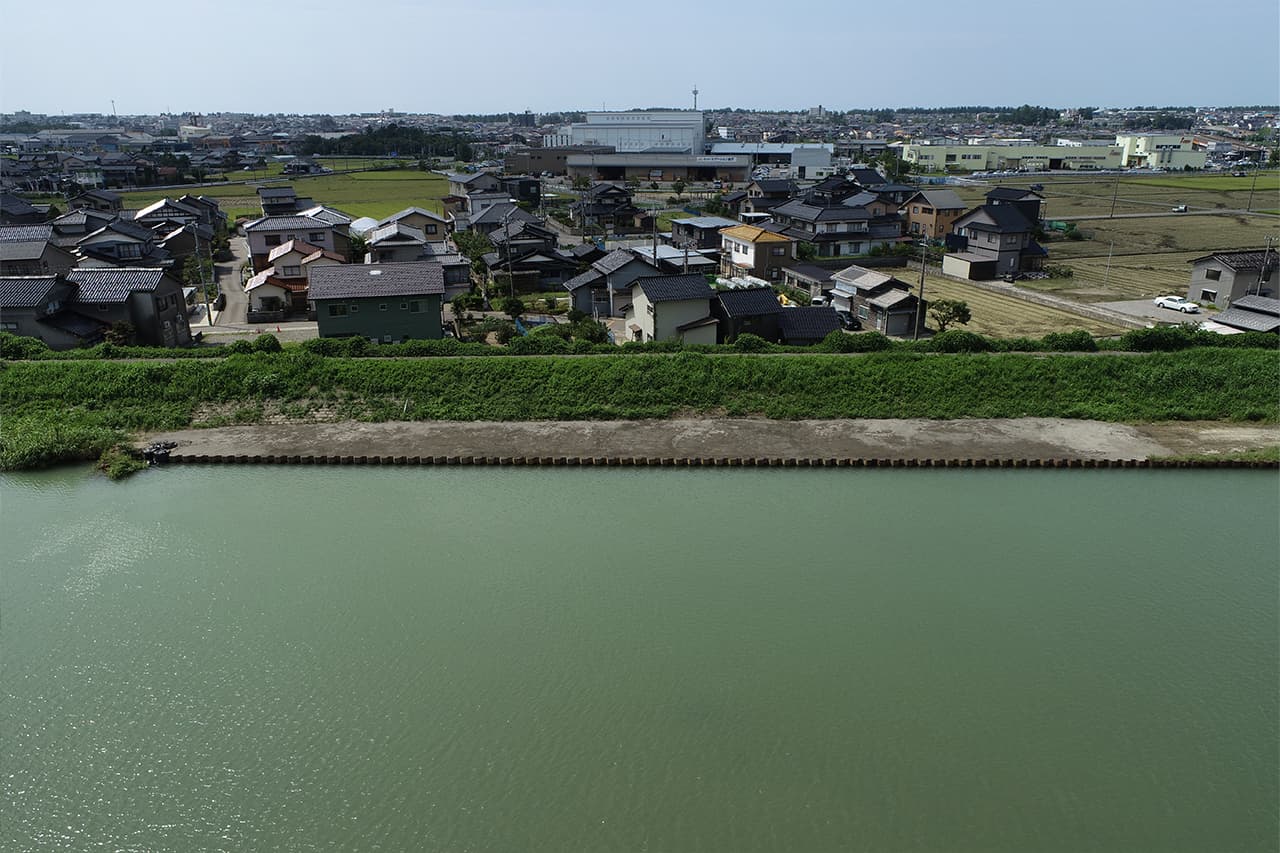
(479, 56)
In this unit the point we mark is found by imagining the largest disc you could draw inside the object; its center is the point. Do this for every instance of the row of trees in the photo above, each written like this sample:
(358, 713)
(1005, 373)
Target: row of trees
(393, 139)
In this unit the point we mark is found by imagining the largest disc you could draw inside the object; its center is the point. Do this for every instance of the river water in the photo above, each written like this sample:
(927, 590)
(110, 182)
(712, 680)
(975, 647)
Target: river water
(599, 660)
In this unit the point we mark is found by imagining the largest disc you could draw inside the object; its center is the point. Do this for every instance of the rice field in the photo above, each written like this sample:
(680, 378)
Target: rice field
(1007, 317)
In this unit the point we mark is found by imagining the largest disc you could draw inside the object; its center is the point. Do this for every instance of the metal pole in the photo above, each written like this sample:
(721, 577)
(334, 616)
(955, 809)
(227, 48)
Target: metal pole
(915, 331)
(1106, 279)
(208, 310)
(1114, 193)
(1249, 205)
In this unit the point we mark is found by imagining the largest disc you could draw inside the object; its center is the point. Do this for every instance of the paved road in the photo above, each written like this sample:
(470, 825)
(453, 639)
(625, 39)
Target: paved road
(1148, 310)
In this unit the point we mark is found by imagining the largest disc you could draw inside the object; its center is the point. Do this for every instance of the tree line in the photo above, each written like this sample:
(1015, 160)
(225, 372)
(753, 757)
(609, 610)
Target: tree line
(393, 139)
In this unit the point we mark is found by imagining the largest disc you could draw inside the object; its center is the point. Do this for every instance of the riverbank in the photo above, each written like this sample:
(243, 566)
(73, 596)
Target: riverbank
(912, 439)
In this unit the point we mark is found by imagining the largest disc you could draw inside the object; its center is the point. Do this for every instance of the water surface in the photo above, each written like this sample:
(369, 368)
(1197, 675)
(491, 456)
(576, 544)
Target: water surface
(599, 660)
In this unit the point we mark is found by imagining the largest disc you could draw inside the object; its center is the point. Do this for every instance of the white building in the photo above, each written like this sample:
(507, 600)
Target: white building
(666, 132)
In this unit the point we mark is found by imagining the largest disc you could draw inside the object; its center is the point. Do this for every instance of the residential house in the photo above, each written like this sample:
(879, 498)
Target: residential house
(282, 201)
(495, 216)
(339, 222)
(32, 257)
(167, 210)
(522, 188)
(755, 251)
(393, 243)
(432, 225)
(992, 241)
(670, 260)
(879, 301)
(835, 217)
(699, 232)
(122, 244)
(210, 212)
(1224, 277)
(1247, 314)
(463, 184)
(671, 307)
(290, 266)
(72, 226)
(533, 268)
(15, 210)
(382, 302)
(269, 294)
(815, 280)
(764, 194)
(267, 233)
(932, 213)
(1027, 202)
(734, 201)
(147, 298)
(610, 206)
(806, 325)
(36, 307)
(94, 199)
(604, 289)
(746, 310)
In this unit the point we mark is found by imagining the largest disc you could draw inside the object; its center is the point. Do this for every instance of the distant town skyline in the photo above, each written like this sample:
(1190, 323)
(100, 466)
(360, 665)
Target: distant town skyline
(491, 56)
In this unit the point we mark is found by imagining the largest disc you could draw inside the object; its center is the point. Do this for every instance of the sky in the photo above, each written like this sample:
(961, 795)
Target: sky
(488, 56)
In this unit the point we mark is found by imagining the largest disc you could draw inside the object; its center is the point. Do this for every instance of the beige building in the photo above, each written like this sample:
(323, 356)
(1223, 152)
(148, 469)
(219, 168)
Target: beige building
(988, 158)
(671, 307)
(1160, 151)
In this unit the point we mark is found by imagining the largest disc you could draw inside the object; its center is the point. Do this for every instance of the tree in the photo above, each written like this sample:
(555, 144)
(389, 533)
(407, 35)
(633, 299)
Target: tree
(947, 311)
(581, 182)
(358, 248)
(120, 334)
(806, 251)
(678, 188)
(512, 306)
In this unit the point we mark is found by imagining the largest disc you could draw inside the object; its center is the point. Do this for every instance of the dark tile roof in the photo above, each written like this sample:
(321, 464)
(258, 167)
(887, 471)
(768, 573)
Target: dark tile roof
(28, 250)
(583, 280)
(671, 288)
(811, 272)
(284, 223)
(408, 211)
(1258, 304)
(128, 229)
(276, 193)
(101, 195)
(504, 210)
(808, 323)
(113, 284)
(749, 301)
(76, 324)
(797, 209)
(866, 177)
(1006, 218)
(25, 291)
(25, 233)
(356, 281)
(15, 206)
(776, 185)
(614, 261)
(1241, 260)
(1249, 321)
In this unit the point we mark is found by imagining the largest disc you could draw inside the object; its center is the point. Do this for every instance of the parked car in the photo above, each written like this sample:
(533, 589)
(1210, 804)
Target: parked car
(1177, 303)
(1035, 188)
(1181, 208)
(848, 321)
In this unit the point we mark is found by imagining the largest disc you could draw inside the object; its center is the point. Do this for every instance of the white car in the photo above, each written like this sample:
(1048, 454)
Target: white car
(1177, 303)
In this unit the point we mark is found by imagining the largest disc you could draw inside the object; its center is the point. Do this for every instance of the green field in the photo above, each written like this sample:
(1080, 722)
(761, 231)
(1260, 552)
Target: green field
(375, 194)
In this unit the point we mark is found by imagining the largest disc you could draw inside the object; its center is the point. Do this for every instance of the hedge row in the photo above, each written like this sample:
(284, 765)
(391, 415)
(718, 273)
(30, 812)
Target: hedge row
(1160, 339)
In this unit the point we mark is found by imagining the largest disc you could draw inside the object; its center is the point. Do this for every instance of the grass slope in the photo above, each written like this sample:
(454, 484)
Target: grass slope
(71, 410)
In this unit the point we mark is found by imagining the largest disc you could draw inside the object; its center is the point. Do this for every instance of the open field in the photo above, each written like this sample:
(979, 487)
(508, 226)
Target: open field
(1126, 277)
(375, 194)
(1007, 317)
(1167, 233)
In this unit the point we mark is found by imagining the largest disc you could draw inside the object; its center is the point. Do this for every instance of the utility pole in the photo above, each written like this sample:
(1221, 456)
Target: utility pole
(1115, 192)
(915, 331)
(208, 311)
(1249, 205)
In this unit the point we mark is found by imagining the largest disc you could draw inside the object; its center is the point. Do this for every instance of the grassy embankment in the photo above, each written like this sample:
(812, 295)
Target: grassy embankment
(68, 410)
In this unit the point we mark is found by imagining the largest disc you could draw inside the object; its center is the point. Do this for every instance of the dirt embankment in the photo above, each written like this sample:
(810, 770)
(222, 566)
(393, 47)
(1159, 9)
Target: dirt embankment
(1024, 438)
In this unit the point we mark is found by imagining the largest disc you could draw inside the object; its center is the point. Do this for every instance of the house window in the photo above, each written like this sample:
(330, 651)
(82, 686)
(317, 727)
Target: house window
(272, 239)
(315, 237)
(291, 272)
(355, 309)
(337, 310)
(404, 306)
(382, 306)
(1208, 296)
(778, 251)
(1213, 275)
(9, 327)
(431, 229)
(863, 312)
(415, 307)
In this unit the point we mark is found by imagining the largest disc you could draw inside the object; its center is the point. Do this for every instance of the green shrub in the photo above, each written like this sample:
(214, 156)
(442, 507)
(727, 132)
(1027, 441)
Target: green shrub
(266, 343)
(838, 341)
(586, 329)
(748, 342)
(504, 333)
(958, 340)
(16, 347)
(356, 346)
(1077, 341)
(237, 347)
(557, 330)
(1160, 339)
(538, 345)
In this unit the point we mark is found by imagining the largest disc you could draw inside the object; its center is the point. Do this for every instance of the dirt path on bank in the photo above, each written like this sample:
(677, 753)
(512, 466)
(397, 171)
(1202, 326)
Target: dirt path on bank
(1023, 438)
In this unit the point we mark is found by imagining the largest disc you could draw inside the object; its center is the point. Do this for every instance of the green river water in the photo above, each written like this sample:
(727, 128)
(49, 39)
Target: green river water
(281, 658)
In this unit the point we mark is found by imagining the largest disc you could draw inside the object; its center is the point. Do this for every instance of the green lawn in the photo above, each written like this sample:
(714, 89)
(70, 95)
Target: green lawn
(375, 194)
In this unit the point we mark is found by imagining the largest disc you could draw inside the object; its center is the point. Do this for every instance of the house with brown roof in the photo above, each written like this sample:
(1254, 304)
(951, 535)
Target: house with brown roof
(755, 251)
(931, 213)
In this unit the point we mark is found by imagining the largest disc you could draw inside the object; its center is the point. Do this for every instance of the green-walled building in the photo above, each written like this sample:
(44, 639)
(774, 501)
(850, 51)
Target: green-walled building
(387, 303)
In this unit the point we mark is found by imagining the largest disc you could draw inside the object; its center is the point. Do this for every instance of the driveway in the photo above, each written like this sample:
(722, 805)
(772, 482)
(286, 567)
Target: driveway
(1147, 310)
